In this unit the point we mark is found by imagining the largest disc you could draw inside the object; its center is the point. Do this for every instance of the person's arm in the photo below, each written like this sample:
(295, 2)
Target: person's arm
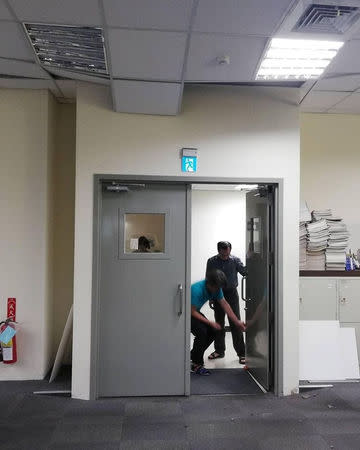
(231, 315)
(203, 319)
(241, 268)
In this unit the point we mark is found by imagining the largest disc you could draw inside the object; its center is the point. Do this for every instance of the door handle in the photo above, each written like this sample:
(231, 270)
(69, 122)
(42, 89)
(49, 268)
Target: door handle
(243, 297)
(181, 299)
(242, 289)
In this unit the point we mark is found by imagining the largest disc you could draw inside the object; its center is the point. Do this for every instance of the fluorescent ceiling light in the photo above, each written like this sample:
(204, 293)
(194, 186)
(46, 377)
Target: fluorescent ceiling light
(296, 59)
(246, 187)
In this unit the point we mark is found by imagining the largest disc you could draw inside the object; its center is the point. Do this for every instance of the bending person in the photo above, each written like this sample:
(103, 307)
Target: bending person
(203, 329)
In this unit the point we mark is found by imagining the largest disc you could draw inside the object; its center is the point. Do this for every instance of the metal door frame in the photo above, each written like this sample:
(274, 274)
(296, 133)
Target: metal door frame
(188, 181)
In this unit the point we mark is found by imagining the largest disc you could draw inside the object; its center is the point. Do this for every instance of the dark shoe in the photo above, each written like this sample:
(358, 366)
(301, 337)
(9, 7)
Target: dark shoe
(216, 355)
(242, 360)
(200, 370)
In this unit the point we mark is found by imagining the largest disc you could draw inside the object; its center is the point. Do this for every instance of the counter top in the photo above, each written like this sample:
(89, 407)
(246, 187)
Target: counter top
(329, 273)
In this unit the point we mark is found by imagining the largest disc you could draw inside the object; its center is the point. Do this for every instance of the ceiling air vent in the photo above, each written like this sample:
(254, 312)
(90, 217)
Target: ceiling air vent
(330, 19)
(79, 49)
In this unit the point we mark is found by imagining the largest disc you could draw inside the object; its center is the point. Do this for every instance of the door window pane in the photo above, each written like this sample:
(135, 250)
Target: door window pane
(144, 233)
(257, 234)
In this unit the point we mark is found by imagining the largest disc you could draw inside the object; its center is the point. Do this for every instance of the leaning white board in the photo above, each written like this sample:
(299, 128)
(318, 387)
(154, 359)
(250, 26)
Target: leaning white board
(62, 346)
(320, 350)
(349, 353)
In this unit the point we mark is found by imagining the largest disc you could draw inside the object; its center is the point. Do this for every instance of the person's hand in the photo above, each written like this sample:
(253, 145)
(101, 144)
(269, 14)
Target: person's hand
(215, 325)
(241, 325)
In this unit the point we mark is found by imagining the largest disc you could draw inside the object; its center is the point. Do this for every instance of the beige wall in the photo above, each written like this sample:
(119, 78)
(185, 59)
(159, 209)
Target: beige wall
(64, 210)
(24, 206)
(330, 166)
(240, 132)
(37, 173)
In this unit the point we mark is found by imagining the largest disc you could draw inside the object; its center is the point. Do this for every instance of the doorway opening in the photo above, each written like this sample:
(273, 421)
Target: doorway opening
(239, 218)
(148, 249)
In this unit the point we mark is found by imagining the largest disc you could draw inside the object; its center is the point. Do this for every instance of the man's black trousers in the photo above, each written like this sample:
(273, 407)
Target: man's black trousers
(232, 297)
(204, 336)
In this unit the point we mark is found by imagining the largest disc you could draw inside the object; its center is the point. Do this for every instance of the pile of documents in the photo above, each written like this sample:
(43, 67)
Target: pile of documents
(323, 239)
(317, 239)
(319, 214)
(305, 217)
(337, 243)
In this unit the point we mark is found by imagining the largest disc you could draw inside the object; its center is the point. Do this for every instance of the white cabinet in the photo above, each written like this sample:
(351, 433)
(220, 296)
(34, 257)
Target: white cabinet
(349, 300)
(318, 299)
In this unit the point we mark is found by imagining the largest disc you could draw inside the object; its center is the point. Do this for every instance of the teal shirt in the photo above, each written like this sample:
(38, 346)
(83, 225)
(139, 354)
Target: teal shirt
(200, 295)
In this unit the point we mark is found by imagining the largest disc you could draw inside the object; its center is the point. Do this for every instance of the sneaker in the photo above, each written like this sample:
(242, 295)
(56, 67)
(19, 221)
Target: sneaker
(200, 370)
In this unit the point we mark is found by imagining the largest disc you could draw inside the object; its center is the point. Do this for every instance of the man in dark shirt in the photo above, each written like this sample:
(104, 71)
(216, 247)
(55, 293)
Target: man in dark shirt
(231, 266)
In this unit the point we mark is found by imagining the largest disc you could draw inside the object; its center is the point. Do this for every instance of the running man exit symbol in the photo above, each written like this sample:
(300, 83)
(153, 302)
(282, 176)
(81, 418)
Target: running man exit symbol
(189, 159)
(189, 163)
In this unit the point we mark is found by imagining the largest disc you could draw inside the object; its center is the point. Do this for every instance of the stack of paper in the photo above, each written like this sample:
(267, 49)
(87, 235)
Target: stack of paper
(305, 217)
(317, 238)
(302, 246)
(337, 243)
(319, 214)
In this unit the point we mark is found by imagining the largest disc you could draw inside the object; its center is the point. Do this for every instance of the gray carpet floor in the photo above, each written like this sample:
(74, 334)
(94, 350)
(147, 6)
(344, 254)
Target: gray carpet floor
(320, 419)
(224, 381)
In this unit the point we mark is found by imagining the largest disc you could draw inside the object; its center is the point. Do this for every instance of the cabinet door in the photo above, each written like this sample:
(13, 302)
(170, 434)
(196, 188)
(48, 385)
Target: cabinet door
(349, 293)
(318, 299)
(357, 333)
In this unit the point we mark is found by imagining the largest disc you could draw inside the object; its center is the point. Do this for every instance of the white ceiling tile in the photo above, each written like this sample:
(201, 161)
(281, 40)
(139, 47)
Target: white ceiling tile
(350, 104)
(240, 16)
(321, 101)
(70, 12)
(347, 60)
(338, 83)
(146, 97)
(4, 12)
(13, 42)
(244, 53)
(160, 14)
(156, 55)
(67, 88)
(22, 69)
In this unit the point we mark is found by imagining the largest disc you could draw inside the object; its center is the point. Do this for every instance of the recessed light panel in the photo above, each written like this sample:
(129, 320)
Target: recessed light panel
(79, 49)
(296, 59)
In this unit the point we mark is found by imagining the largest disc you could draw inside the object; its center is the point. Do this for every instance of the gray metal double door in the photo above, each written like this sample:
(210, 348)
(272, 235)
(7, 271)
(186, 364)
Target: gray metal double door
(141, 347)
(260, 241)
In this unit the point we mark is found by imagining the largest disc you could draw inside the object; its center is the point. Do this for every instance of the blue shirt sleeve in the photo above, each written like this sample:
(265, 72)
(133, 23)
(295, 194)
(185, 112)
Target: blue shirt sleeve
(219, 295)
(194, 295)
(240, 267)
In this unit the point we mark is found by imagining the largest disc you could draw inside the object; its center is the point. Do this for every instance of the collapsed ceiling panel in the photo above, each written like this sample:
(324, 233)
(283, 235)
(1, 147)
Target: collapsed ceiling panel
(79, 49)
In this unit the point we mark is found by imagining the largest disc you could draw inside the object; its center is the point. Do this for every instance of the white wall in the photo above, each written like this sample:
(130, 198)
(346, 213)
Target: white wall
(330, 166)
(24, 225)
(240, 132)
(216, 216)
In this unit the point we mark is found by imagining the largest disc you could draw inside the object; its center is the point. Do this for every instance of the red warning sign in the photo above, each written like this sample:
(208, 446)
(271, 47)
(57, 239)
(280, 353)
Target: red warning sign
(11, 308)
